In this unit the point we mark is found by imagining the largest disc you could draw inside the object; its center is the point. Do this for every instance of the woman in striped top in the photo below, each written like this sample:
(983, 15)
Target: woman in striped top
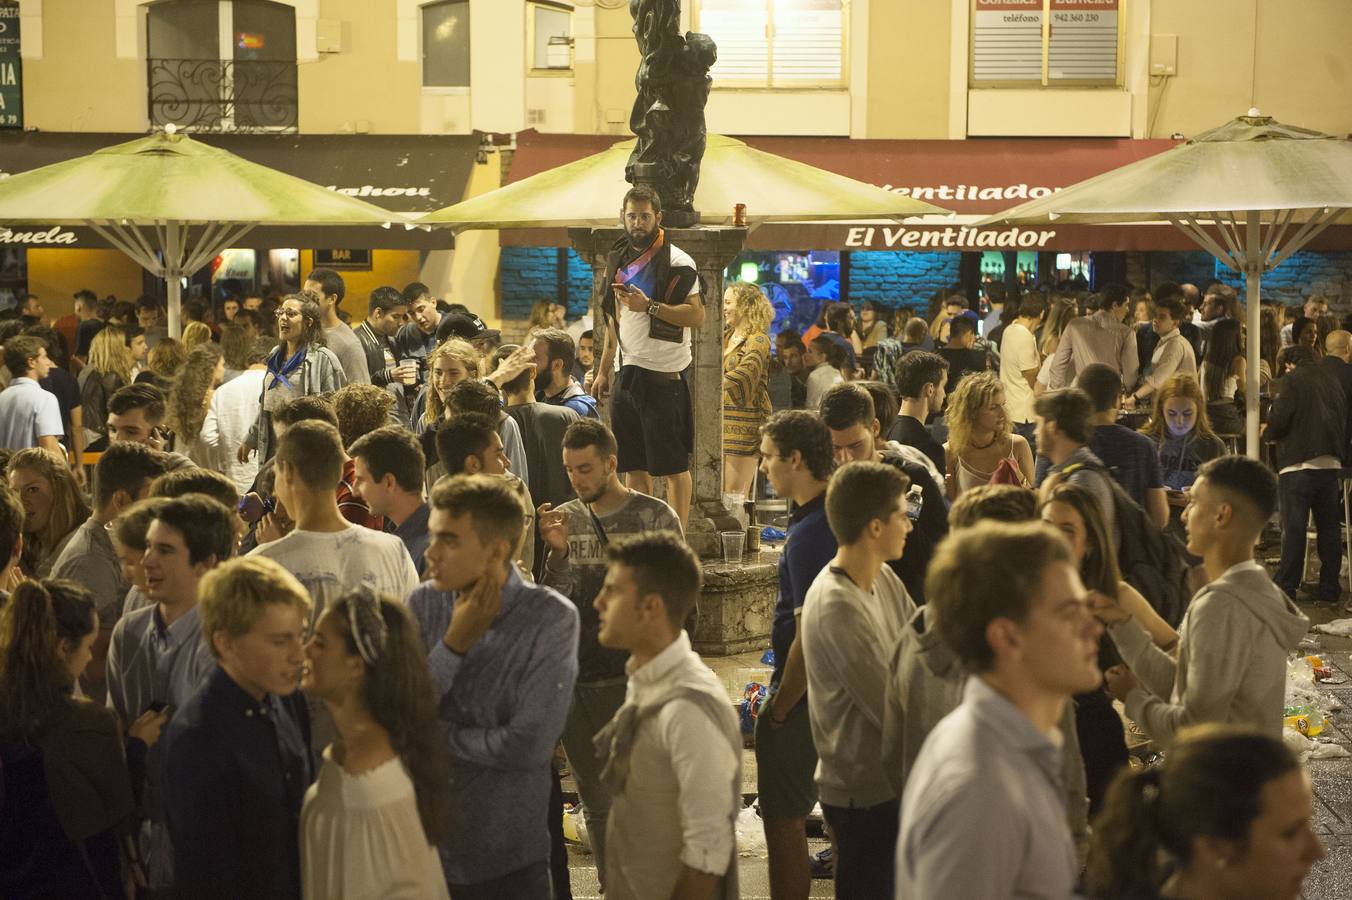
(746, 382)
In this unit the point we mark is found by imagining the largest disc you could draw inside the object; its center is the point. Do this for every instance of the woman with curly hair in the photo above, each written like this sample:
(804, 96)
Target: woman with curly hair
(109, 368)
(547, 314)
(189, 399)
(746, 382)
(53, 506)
(980, 439)
(447, 366)
(299, 366)
(373, 816)
(195, 334)
(1059, 315)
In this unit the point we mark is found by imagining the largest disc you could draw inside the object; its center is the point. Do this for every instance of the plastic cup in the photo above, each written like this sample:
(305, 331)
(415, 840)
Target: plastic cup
(733, 542)
(413, 364)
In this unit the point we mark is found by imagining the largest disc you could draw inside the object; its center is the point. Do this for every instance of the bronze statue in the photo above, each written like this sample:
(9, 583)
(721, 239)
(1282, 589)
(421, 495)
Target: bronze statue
(668, 118)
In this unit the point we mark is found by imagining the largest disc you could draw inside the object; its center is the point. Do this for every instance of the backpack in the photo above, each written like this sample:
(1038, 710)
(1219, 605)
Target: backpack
(1151, 560)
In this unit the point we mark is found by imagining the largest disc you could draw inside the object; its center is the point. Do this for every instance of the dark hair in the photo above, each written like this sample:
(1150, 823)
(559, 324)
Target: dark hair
(859, 493)
(413, 290)
(311, 314)
(917, 369)
(1246, 477)
(125, 467)
(1070, 409)
(385, 298)
(799, 431)
(961, 325)
(397, 692)
(586, 334)
(827, 346)
(845, 405)
(838, 317)
(11, 521)
(1174, 306)
(56, 343)
(205, 524)
(129, 528)
(40, 621)
(559, 345)
(361, 409)
(307, 408)
(193, 311)
(1098, 569)
(19, 350)
(330, 282)
(475, 396)
(885, 405)
(523, 380)
(237, 346)
(1169, 290)
(662, 564)
(993, 503)
(87, 298)
(495, 510)
(1102, 384)
(1225, 343)
(1032, 305)
(145, 301)
(464, 435)
(315, 451)
(642, 194)
(207, 482)
(956, 300)
(590, 432)
(1115, 295)
(394, 450)
(1210, 784)
(986, 572)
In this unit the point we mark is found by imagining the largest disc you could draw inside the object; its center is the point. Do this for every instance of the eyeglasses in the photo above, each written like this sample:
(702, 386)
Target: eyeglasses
(289, 313)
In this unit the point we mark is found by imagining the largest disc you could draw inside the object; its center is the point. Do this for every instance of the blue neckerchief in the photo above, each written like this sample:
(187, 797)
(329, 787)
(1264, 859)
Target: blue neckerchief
(280, 370)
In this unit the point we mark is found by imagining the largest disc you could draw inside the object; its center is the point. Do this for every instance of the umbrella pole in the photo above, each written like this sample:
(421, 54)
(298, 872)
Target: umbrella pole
(1253, 277)
(173, 275)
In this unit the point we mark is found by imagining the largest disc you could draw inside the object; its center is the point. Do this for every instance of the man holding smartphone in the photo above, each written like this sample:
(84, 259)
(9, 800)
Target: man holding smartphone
(651, 304)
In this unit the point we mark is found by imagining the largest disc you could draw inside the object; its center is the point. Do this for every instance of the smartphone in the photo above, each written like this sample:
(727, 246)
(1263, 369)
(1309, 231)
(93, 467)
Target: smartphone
(253, 507)
(157, 706)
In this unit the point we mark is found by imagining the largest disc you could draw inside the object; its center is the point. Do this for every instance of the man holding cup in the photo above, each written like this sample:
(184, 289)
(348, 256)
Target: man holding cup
(386, 313)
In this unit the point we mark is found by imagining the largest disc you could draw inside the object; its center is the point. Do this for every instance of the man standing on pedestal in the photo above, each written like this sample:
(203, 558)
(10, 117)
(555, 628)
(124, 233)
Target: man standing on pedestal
(651, 302)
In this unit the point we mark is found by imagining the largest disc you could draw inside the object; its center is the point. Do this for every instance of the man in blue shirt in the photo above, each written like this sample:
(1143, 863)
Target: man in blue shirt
(503, 657)
(388, 466)
(1131, 457)
(796, 456)
(29, 415)
(236, 764)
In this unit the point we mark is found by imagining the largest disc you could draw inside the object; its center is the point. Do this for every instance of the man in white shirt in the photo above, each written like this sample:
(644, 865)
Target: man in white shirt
(1101, 337)
(1173, 355)
(672, 754)
(855, 612)
(233, 411)
(328, 286)
(1019, 365)
(651, 303)
(29, 415)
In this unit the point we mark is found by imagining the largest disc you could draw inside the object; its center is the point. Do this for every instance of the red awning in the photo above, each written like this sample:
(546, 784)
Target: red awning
(974, 178)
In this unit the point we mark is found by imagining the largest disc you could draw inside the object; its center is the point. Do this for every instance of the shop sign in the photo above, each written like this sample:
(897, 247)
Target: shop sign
(1082, 40)
(1007, 41)
(11, 67)
(343, 259)
(950, 237)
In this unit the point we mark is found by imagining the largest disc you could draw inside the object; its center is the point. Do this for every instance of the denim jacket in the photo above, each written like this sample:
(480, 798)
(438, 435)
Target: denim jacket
(319, 373)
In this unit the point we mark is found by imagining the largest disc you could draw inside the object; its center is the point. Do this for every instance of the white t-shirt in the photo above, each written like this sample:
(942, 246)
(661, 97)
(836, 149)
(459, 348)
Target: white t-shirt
(638, 349)
(329, 563)
(1018, 354)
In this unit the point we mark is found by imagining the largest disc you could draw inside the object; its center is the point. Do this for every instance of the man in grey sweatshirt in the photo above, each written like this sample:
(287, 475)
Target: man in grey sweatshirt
(1236, 634)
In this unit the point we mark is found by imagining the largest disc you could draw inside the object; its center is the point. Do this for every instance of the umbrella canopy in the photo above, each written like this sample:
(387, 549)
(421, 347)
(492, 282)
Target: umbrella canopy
(1251, 192)
(775, 189)
(172, 203)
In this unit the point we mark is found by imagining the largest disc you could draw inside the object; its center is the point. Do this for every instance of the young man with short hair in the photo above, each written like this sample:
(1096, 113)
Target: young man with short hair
(386, 313)
(672, 754)
(418, 337)
(1131, 457)
(29, 415)
(586, 356)
(961, 353)
(503, 658)
(157, 660)
(389, 466)
(849, 413)
(1173, 354)
(797, 458)
(921, 377)
(1238, 630)
(236, 766)
(855, 612)
(1020, 362)
(575, 536)
(984, 813)
(554, 383)
(477, 396)
(1063, 436)
(136, 414)
(542, 426)
(469, 444)
(338, 337)
(233, 411)
(91, 323)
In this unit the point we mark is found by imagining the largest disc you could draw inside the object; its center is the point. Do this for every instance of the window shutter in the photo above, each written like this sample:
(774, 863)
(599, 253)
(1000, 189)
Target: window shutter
(808, 42)
(740, 30)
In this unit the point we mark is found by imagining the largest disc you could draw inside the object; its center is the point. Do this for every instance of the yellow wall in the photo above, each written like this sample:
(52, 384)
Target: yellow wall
(395, 268)
(365, 83)
(908, 58)
(474, 263)
(55, 275)
(79, 84)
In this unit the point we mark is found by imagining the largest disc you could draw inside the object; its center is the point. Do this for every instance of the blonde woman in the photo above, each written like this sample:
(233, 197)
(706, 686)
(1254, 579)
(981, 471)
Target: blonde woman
(746, 383)
(547, 314)
(447, 366)
(979, 436)
(195, 334)
(166, 359)
(108, 369)
(1059, 315)
(189, 399)
(53, 507)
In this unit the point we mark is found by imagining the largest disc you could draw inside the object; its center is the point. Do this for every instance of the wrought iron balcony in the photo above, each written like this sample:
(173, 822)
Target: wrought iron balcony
(224, 95)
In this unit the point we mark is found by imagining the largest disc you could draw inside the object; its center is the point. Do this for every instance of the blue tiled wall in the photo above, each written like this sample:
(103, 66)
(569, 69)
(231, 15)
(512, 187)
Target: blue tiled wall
(1305, 273)
(896, 278)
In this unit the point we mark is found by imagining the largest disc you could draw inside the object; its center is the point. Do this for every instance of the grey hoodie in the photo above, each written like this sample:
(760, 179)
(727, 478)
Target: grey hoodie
(924, 685)
(1231, 667)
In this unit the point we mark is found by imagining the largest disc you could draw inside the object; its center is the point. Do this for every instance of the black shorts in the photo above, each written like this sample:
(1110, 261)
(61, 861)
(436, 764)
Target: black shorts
(653, 421)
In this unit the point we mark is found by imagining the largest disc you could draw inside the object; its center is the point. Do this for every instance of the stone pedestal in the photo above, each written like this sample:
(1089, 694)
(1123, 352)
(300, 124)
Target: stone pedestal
(737, 605)
(712, 249)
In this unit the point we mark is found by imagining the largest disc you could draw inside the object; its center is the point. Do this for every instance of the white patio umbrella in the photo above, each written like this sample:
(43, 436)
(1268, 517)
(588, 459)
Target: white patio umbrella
(172, 203)
(1251, 192)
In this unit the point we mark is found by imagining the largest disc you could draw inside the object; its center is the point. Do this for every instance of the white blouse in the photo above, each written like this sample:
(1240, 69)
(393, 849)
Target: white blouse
(362, 839)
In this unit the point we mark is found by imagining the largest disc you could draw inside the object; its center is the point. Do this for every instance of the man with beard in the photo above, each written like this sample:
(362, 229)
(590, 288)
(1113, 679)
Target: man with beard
(554, 359)
(576, 535)
(652, 300)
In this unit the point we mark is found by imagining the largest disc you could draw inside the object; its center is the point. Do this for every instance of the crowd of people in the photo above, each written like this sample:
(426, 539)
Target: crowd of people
(334, 597)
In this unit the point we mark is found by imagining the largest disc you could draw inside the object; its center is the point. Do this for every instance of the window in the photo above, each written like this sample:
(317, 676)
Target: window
(776, 43)
(551, 31)
(1031, 43)
(445, 44)
(222, 66)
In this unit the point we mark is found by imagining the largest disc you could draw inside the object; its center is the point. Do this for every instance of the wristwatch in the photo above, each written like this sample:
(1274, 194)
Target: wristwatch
(654, 308)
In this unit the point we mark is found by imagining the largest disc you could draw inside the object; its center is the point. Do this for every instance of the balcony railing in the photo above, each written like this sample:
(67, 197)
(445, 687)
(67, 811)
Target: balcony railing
(223, 95)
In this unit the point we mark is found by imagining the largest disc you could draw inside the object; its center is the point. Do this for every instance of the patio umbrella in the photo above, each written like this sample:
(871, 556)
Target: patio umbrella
(172, 203)
(1250, 192)
(587, 192)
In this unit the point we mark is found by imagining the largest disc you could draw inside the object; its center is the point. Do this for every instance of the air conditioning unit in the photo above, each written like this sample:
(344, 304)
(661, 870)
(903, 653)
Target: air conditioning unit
(535, 117)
